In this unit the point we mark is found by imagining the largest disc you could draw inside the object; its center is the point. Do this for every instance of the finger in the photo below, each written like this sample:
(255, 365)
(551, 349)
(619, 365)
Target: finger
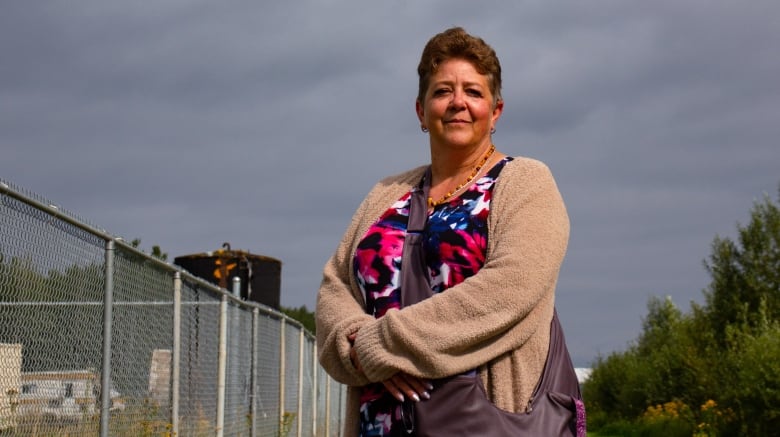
(391, 388)
(400, 380)
(419, 386)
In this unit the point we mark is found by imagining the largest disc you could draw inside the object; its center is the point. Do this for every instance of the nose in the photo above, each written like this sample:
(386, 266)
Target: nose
(458, 99)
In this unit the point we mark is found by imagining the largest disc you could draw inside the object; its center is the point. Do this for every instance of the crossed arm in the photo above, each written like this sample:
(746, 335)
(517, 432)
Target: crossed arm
(488, 315)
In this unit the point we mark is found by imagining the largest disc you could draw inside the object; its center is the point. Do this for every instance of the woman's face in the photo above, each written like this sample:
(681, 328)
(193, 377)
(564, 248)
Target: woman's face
(458, 108)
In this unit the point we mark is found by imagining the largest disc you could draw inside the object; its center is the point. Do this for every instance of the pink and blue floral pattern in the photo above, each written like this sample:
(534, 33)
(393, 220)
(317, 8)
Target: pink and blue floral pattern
(455, 244)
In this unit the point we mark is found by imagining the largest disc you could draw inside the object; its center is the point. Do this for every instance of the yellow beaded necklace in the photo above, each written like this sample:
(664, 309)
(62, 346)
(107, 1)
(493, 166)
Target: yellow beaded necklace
(474, 173)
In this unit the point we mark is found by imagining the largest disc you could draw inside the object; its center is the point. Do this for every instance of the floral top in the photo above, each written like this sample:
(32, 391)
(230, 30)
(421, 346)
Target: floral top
(455, 240)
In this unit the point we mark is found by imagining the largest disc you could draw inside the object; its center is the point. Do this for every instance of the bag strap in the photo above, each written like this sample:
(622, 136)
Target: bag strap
(415, 283)
(558, 373)
(418, 204)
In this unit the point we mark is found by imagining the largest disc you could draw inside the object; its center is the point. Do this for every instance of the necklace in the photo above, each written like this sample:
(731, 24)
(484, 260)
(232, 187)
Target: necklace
(474, 173)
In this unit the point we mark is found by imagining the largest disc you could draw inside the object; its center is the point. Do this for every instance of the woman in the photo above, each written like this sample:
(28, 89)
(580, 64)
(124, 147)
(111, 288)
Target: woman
(496, 236)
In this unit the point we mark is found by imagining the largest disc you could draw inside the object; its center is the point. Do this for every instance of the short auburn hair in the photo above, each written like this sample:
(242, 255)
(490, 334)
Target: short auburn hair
(456, 43)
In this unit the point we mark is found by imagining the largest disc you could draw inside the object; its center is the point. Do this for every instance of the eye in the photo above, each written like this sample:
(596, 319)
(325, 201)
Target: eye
(441, 91)
(474, 92)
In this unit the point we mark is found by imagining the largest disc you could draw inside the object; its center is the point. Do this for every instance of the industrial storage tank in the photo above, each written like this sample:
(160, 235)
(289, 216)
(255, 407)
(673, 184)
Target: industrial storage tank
(261, 276)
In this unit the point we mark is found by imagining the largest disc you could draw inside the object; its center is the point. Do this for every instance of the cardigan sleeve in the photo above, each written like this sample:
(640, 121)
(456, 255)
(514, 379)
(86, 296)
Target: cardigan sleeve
(340, 309)
(340, 313)
(493, 312)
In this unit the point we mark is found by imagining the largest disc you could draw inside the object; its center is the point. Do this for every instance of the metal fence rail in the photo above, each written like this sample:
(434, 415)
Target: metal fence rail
(98, 338)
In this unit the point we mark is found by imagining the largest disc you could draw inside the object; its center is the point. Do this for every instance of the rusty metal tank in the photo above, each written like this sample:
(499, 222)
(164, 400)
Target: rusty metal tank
(261, 276)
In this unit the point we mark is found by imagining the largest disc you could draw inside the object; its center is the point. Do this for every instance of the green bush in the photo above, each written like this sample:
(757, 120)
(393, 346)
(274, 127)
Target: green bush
(714, 371)
(751, 379)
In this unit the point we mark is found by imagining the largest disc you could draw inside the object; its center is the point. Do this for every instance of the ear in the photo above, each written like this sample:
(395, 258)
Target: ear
(418, 107)
(497, 111)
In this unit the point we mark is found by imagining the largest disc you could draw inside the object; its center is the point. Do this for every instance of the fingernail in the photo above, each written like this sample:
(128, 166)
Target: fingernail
(400, 397)
(415, 397)
(426, 395)
(429, 386)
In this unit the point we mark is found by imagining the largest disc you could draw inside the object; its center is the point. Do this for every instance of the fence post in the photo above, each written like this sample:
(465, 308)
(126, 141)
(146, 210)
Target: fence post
(314, 387)
(222, 366)
(108, 306)
(234, 344)
(176, 356)
(253, 378)
(327, 406)
(301, 339)
(282, 376)
(342, 392)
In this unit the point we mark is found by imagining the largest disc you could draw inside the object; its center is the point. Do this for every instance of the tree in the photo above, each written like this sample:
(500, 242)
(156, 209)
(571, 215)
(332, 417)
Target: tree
(156, 250)
(50, 313)
(715, 370)
(746, 274)
(303, 315)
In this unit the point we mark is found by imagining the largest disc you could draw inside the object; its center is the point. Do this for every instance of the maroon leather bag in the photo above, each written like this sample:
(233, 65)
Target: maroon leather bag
(459, 405)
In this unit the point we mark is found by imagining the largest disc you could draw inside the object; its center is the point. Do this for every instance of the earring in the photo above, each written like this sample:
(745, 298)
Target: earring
(424, 129)
(492, 130)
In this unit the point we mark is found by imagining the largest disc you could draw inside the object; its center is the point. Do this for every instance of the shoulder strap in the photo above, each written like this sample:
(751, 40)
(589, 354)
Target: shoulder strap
(415, 284)
(418, 204)
(558, 374)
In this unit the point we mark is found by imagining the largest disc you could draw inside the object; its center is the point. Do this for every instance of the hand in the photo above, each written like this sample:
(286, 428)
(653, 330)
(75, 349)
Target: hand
(399, 384)
(413, 387)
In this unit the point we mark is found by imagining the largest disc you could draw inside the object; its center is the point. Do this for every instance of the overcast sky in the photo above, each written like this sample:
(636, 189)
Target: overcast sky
(191, 123)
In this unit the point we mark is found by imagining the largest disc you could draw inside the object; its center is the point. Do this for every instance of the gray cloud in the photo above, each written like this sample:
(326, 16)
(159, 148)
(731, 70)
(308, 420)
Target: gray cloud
(192, 123)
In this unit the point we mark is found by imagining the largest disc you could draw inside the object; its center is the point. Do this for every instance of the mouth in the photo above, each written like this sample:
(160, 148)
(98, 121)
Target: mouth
(457, 121)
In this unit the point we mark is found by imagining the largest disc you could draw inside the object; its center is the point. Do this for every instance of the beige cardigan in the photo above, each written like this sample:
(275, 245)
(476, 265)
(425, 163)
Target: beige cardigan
(497, 320)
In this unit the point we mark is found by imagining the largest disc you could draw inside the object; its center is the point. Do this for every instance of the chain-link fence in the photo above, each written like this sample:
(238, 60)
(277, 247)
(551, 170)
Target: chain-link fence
(97, 338)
